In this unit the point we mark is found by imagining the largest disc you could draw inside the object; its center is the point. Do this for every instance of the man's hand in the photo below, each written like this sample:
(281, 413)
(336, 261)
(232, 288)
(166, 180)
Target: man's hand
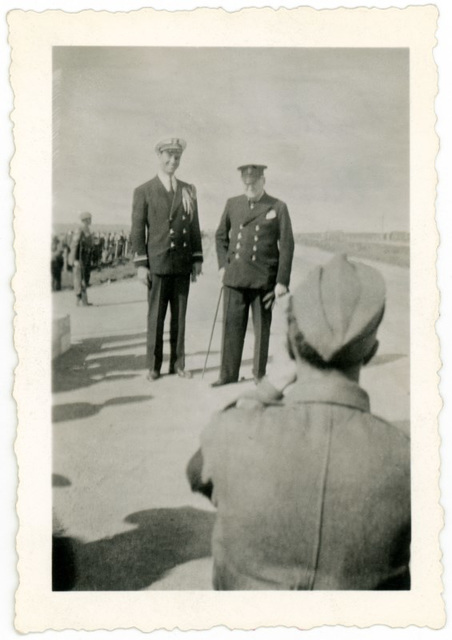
(196, 271)
(270, 298)
(265, 394)
(280, 290)
(143, 274)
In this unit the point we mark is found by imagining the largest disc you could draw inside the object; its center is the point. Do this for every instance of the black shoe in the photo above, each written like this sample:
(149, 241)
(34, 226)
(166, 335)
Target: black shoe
(153, 375)
(221, 382)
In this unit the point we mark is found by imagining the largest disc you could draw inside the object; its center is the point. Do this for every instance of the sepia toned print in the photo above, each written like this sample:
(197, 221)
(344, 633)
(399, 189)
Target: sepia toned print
(302, 430)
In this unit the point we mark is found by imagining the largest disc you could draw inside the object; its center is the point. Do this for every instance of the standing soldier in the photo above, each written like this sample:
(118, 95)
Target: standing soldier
(81, 256)
(255, 248)
(167, 247)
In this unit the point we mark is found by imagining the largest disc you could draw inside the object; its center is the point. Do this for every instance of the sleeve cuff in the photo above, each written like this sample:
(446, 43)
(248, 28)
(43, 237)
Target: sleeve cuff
(140, 261)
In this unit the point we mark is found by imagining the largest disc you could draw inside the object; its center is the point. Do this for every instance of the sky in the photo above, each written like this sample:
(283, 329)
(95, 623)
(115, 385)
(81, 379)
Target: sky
(332, 125)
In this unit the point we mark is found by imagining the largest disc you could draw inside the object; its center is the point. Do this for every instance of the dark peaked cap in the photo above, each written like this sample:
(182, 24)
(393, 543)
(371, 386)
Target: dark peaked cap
(338, 309)
(255, 170)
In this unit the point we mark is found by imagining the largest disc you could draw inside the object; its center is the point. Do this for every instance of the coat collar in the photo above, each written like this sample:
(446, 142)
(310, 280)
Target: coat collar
(263, 206)
(177, 199)
(330, 388)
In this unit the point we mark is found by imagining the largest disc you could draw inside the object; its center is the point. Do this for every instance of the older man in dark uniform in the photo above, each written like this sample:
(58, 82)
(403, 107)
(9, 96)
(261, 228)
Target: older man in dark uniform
(166, 239)
(255, 246)
(312, 490)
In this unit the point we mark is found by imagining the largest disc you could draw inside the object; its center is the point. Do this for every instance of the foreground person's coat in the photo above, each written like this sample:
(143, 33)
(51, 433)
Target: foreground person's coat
(311, 494)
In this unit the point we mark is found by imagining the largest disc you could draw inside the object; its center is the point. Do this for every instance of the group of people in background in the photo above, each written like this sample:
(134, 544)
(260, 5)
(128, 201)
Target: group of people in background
(106, 249)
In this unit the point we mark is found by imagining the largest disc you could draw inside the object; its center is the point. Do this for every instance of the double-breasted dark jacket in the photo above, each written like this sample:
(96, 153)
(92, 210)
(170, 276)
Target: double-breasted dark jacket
(255, 245)
(81, 247)
(165, 237)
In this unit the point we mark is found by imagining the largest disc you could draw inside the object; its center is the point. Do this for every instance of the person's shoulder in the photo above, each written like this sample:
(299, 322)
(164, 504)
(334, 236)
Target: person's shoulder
(244, 410)
(235, 200)
(276, 202)
(391, 441)
(230, 425)
(185, 184)
(147, 185)
(394, 430)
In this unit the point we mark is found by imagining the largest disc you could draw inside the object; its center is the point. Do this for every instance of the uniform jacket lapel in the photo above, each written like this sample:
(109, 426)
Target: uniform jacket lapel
(177, 199)
(263, 206)
(164, 196)
(158, 185)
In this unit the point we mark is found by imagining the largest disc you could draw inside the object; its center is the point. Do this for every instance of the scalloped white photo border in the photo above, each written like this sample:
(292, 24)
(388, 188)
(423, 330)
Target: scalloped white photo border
(32, 36)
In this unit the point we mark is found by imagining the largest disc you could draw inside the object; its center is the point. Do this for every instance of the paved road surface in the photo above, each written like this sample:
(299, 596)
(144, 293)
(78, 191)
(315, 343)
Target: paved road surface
(121, 444)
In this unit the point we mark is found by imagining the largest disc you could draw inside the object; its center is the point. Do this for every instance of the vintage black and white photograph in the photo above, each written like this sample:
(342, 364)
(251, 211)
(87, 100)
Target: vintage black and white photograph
(230, 275)
(239, 348)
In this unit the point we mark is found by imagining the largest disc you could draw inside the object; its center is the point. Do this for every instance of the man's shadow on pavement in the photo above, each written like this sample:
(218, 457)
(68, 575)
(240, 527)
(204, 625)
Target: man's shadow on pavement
(78, 410)
(78, 367)
(131, 561)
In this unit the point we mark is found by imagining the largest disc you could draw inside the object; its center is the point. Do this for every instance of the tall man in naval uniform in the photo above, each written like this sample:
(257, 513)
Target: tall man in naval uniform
(255, 246)
(167, 246)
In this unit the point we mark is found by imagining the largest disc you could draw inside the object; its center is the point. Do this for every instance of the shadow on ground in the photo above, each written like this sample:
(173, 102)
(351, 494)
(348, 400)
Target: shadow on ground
(131, 561)
(79, 367)
(77, 410)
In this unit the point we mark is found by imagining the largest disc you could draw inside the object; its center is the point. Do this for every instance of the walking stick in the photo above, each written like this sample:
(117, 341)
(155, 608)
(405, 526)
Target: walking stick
(211, 333)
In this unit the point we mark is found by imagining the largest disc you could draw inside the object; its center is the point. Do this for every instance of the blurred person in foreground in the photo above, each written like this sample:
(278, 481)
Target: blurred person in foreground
(81, 258)
(312, 490)
(167, 247)
(255, 246)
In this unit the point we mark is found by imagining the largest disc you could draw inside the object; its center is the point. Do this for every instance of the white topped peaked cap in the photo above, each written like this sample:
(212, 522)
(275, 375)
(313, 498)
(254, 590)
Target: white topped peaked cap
(338, 309)
(174, 144)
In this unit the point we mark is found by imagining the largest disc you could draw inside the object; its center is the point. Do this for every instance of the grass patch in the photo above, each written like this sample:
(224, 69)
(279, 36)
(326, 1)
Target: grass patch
(110, 273)
(388, 252)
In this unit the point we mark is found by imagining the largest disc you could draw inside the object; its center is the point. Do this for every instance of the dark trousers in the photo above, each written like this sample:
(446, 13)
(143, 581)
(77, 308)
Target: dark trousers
(56, 269)
(81, 274)
(164, 290)
(236, 306)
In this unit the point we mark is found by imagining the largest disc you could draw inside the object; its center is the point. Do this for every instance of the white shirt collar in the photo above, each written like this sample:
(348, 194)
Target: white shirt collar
(166, 180)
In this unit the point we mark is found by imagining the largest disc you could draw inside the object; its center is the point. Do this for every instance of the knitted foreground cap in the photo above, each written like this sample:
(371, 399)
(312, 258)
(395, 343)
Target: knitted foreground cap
(338, 309)
(171, 144)
(85, 216)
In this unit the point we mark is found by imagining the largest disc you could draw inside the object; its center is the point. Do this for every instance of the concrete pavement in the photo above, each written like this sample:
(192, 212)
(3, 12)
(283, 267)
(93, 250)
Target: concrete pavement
(121, 444)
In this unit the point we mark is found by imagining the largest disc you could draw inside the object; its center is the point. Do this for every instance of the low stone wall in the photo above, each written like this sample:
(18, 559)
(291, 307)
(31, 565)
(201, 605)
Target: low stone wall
(61, 335)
